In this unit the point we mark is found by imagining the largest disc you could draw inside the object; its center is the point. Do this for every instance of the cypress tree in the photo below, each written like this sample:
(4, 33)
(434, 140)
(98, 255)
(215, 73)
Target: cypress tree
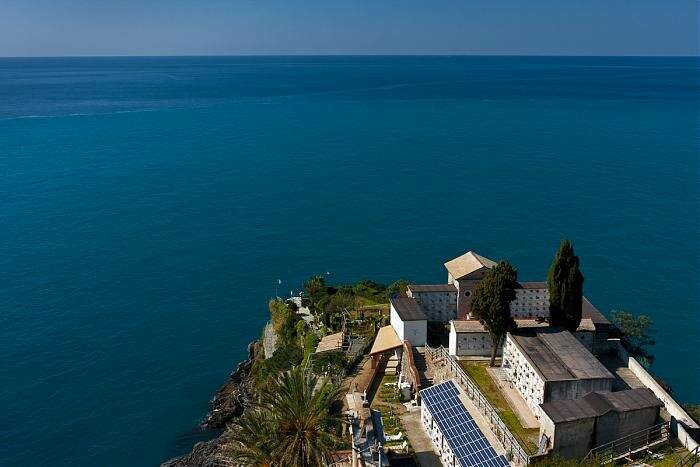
(565, 284)
(491, 303)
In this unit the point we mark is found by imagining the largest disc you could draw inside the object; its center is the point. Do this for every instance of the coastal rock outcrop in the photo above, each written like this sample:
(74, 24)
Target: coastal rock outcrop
(204, 454)
(232, 397)
(228, 403)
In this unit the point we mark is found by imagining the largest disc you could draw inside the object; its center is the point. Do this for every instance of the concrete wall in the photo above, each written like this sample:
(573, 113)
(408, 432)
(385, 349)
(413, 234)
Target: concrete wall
(416, 332)
(573, 440)
(682, 426)
(530, 303)
(471, 344)
(438, 306)
(614, 425)
(564, 390)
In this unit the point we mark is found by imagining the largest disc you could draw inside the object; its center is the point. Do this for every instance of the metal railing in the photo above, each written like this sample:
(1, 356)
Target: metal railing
(630, 444)
(692, 458)
(439, 358)
(411, 364)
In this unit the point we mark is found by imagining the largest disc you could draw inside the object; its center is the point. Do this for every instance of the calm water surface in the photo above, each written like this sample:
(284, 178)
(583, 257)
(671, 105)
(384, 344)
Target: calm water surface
(148, 207)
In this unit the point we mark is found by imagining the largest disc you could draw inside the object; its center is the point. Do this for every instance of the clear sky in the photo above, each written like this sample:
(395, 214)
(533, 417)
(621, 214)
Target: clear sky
(202, 27)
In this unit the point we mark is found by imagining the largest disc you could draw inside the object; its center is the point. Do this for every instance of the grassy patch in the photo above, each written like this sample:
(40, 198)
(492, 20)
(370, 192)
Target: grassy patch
(477, 372)
(666, 456)
(387, 402)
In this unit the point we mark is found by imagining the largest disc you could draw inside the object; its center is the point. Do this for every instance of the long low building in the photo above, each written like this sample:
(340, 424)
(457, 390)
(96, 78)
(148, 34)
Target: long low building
(573, 427)
(469, 338)
(549, 365)
(457, 439)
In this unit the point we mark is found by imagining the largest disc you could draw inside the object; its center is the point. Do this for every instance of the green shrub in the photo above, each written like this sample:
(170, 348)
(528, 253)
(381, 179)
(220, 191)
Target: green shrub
(332, 363)
(284, 358)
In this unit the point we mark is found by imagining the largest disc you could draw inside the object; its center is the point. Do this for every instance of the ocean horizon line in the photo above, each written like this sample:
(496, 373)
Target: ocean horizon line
(382, 55)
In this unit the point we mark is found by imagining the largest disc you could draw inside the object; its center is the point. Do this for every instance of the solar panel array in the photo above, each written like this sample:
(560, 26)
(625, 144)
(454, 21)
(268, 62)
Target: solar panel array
(468, 443)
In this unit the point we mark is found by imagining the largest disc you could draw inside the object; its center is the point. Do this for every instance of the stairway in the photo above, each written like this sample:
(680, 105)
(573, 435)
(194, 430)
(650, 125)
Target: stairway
(422, 366)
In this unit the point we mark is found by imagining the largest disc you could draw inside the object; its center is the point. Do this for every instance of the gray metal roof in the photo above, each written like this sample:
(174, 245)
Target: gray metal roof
(588, 310)
(408, 309)
(531, 285)
(596, 404)
(558, 355)
(432, 288)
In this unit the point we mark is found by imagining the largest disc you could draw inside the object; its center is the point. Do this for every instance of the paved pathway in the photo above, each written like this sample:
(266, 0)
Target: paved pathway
(420, 442)
(480, 420)
(624, 377)
(269, 340)
(514, 399)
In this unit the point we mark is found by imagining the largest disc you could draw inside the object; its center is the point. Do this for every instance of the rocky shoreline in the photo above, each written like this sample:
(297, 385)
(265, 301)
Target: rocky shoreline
(228, 403)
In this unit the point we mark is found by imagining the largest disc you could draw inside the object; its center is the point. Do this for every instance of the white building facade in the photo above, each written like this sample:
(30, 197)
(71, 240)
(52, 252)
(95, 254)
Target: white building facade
(551, 365)
(408, 320)
(439, 302)
(531, 301)
(523, 376)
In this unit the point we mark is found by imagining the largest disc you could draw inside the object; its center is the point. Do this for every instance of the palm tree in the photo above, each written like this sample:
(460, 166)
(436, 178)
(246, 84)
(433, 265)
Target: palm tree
(250, 438)
(290, 425)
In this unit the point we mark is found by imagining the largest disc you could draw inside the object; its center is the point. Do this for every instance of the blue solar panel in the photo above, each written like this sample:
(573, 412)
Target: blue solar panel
(464, 437)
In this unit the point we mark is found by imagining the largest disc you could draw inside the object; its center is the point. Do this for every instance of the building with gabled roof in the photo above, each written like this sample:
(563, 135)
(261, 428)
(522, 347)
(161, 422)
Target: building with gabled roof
(470, 265)
(408, 320)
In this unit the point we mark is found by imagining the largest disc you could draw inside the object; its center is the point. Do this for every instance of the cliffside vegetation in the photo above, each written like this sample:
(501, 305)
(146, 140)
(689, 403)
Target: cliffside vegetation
(291, 424)
(636, 334)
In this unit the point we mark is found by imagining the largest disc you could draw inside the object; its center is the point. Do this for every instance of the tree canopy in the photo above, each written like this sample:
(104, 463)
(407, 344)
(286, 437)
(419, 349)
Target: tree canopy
(290, 425)
(636, 334)
(491, 303)
(565, 284)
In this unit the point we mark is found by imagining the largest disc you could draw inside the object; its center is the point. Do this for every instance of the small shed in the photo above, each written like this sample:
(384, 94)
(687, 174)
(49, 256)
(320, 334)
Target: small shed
(574, 427)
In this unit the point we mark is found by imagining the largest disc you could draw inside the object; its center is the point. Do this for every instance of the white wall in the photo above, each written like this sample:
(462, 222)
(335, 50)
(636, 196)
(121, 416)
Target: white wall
(396, 322)
(471, 344)
(416, 332)
(437, 306)
(523, 376)
(672, 407)
(452, 347)
(530, 303)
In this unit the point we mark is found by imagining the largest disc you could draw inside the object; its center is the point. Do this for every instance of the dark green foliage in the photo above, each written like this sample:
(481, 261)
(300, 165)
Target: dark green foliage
(315, 289)
(693, 411)
(310, 343)
(565, 284)
(336, 307)
(291, 424)
(398, 287)
(292, 306)
(330, 363)
(556, 461)
(371, 290)
(284, 321)
(491, 303)
(636, 334)
(283, 359)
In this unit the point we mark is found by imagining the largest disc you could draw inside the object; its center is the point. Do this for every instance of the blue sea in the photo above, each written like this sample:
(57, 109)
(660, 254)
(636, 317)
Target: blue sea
(148, 207)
